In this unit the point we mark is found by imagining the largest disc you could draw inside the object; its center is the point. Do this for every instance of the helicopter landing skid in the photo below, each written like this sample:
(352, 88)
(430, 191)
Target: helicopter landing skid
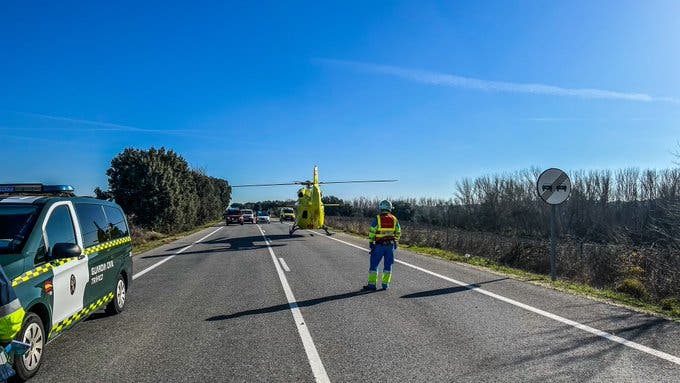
(293, 229)
(325, 228)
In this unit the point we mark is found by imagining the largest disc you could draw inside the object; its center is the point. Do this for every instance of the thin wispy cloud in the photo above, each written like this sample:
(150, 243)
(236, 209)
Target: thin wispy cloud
(454, 81)
(93, 126)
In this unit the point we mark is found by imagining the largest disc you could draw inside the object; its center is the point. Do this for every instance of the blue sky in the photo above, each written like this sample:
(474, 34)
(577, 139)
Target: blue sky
(425, 92)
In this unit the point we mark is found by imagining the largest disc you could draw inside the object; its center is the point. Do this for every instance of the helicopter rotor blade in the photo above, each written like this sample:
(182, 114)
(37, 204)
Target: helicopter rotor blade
(258, 185)
(309, 183)
(354, 182)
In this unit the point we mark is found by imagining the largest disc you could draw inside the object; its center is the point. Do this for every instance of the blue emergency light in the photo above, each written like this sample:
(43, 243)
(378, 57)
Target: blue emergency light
(35, 189)
(58, 189)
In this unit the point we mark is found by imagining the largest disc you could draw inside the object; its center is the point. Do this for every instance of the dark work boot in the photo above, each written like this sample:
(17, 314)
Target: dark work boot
(369, 287)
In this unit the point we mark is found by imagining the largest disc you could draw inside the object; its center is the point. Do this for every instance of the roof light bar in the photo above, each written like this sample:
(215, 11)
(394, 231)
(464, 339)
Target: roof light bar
(35, 189)
(58, 189)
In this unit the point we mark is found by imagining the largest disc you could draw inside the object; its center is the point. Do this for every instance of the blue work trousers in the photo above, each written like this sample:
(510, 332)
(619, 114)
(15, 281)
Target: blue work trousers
(380, 252)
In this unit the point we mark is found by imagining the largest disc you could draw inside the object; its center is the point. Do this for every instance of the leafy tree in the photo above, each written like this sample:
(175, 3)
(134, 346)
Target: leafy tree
(159, 191)
(213, 196)
(344, 209)
(402, 210)
(104, 195)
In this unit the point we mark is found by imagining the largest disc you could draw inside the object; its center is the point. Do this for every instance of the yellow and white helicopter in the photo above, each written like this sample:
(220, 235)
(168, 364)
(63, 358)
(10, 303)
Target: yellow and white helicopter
(310, 208)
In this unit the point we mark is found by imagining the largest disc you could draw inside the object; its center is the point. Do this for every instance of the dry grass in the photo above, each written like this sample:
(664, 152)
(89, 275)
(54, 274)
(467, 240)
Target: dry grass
(644, 278)
(145, 240)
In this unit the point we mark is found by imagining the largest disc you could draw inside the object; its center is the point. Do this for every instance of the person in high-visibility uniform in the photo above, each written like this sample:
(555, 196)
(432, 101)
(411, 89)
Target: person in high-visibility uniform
(11, 312)
(383, 238)
(11, 319)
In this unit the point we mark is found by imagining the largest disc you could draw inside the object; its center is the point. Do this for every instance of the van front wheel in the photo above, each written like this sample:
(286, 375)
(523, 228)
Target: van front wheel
(33, 333)
(117, 305)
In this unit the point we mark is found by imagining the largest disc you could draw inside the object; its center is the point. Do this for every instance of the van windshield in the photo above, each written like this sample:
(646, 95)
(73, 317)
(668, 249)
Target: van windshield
(16, 223)
(288, 210)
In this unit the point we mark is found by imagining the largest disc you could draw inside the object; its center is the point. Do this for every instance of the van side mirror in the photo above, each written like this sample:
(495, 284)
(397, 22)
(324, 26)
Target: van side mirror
(66, 250)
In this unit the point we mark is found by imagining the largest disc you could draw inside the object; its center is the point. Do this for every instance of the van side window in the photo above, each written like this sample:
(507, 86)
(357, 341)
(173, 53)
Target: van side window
(59, 228)
(41, 253)
(117, 227)
(93, 224)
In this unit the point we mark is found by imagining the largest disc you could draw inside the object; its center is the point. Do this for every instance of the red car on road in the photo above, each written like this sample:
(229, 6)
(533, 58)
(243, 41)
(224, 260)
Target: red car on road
(233, 215)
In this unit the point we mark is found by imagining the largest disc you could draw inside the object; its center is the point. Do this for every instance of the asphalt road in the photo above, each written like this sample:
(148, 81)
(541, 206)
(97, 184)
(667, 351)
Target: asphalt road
(218, 311)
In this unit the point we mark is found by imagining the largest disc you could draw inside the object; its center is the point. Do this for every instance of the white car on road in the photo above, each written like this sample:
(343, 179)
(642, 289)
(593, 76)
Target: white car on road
(263, 217)
(248, 215)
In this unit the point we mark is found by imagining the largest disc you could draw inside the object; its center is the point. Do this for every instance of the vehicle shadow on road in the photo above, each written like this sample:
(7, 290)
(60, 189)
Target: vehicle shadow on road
(329, 234)
(255, 242)
(214, 250)
(97, 315)
(252, 239)
(249, 239)
(286, 306)
(449, 290)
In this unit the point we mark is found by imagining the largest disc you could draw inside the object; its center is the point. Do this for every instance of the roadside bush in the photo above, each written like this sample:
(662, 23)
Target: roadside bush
(141, 236)
(632, 287)
(670, 304)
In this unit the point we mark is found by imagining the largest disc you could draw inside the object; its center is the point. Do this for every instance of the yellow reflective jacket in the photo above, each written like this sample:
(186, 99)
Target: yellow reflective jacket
(385, 227)
(11, 312)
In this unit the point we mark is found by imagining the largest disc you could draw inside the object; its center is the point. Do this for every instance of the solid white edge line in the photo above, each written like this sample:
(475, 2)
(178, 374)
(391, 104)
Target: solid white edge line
(169, 257)
(315, 362)
(284, 265)
(580, 326)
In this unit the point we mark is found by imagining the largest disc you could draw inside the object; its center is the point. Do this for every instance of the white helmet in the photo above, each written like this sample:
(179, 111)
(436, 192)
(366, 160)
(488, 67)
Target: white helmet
(385, 205)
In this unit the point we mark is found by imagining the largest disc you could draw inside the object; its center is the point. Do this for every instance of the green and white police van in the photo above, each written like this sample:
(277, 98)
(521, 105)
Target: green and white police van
(66, 256)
